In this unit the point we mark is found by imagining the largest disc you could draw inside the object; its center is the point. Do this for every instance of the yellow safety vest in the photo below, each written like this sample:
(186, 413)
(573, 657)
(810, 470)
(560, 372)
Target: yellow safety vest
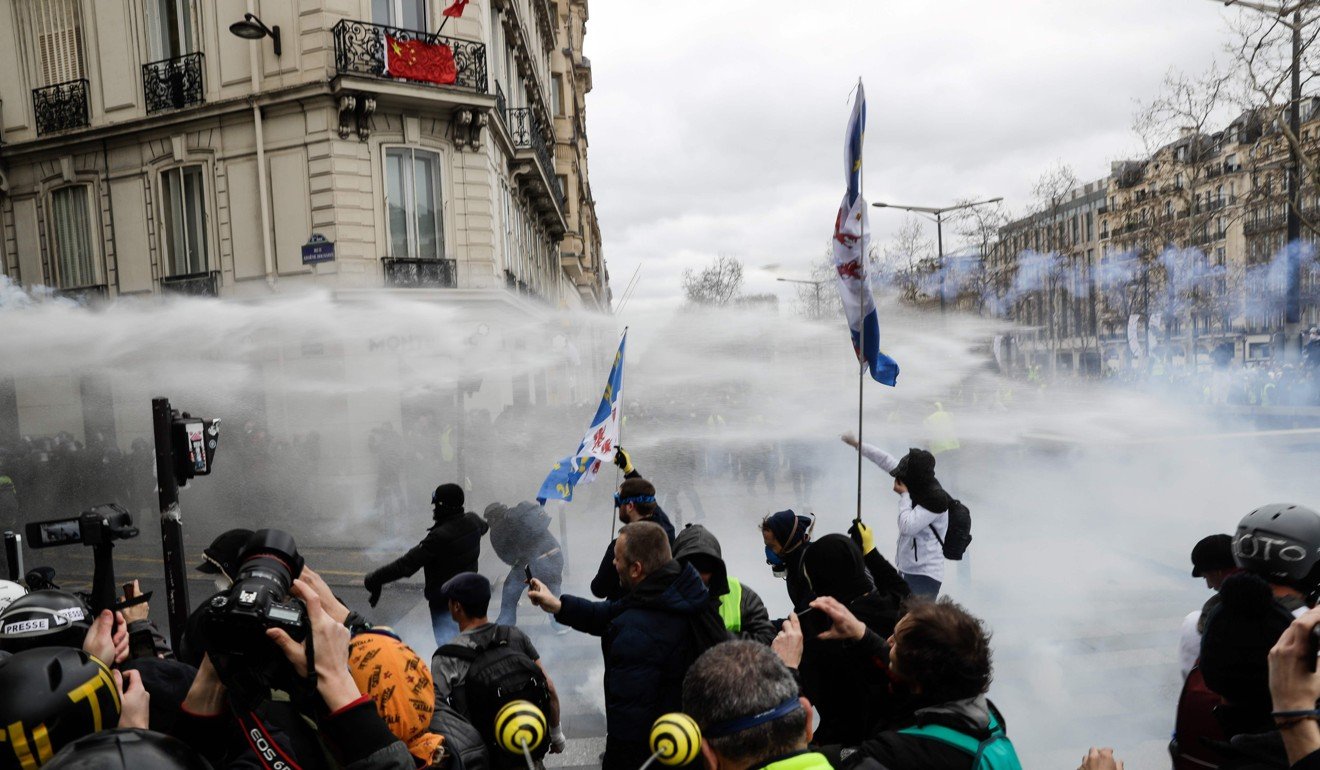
(731, 607)
(940, 427)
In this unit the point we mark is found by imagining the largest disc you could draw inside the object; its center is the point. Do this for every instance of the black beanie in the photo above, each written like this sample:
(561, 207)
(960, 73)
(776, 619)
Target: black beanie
(448, 496)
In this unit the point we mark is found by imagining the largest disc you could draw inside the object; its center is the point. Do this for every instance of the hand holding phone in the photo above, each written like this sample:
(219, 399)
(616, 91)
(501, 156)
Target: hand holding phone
(527, 571)
(813, 622)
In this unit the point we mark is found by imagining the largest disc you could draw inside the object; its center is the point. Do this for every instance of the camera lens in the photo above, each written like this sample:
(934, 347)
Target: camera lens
(270, 558)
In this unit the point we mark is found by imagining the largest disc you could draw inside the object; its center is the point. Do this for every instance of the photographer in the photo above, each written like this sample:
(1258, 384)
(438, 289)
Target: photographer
(1295, 690)
(347, 720)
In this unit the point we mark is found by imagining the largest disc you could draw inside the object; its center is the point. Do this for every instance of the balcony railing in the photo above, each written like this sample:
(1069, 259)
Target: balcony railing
(85, 295)
(172, 84)
(61, 107)
(362, 48)
(420, 273)
(527, 134)
(501, 104)
(192, 284)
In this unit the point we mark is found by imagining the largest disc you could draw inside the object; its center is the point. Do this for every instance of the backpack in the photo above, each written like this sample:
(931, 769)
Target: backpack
(464, 744)
(993, 753)
(497, 674)
(1195, 727)
(959, 534)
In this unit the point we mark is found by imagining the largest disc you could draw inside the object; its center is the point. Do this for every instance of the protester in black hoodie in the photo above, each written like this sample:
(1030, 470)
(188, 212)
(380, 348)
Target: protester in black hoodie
(786, 535)
(740, 607)
(848, 689)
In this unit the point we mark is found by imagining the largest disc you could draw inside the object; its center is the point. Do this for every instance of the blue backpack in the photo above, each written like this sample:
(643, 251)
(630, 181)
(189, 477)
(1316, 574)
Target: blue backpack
(993, 753)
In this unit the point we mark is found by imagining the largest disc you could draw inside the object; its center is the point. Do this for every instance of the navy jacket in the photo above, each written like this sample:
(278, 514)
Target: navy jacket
(452, 545)
(649, 642)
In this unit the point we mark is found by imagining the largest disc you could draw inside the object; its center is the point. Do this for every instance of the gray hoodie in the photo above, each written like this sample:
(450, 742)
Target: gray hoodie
(696, 540)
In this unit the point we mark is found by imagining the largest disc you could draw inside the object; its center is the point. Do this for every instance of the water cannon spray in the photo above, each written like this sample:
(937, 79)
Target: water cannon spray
(675, 741)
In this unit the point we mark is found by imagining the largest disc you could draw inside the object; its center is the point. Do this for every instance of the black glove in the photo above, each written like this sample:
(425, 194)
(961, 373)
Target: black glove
(373, 586)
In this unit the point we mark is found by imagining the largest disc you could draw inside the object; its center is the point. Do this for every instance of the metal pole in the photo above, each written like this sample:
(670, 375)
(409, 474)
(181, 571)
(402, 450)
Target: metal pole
(939, 241)
(1293, 300)
(171, 522)
(14, 555)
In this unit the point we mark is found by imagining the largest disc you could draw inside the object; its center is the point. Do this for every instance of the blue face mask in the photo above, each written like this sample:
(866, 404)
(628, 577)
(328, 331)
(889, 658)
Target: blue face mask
(772, 558)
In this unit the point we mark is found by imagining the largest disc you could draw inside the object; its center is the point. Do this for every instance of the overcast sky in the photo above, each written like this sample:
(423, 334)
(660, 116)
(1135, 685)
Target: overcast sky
(717, 126)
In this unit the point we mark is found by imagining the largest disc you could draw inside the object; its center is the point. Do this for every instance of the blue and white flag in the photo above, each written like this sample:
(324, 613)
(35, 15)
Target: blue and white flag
(598, 446)
(852, 237)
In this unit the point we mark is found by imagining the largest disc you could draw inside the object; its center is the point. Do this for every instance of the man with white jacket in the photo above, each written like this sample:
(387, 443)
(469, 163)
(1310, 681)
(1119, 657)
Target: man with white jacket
(922, 523)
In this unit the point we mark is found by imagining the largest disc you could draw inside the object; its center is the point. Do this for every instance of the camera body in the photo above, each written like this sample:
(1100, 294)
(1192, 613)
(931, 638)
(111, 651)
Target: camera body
(94, 527)
(231, 626)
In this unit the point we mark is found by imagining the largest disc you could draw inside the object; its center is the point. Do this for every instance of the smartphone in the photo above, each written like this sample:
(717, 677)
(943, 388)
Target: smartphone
(129, 591)
(527, 570)
(814, 622)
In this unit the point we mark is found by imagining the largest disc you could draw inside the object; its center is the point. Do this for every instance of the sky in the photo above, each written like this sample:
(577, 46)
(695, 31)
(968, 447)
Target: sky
(717, 127)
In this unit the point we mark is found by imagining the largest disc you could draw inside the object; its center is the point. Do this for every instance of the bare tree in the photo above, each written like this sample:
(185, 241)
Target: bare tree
(978, 228)
(909, 261)
(818, 297)
(717, 284)
(1051, 191)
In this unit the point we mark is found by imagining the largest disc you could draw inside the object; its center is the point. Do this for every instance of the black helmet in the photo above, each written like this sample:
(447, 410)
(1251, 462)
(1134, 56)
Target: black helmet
(54, 695)
(125, 748)
(1281, 543)
(47, 618)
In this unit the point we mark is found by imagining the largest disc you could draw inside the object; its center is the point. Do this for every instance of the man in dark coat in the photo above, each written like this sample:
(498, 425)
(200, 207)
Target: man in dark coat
(636, 502)
(649, 637)
(521, 538)
(786, 535)
(739, 607)
(451, 546)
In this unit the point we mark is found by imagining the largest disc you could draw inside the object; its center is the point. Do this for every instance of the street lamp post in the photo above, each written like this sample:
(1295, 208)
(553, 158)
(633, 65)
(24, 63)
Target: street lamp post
(816, 305)
(938, 213)
(1292, 303)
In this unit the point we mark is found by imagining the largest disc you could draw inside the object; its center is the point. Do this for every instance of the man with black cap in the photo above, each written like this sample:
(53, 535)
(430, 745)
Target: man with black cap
(635, 501)
(922, 523)
(468, 598)
(220, 558)
(1212, 559)
(452, 545)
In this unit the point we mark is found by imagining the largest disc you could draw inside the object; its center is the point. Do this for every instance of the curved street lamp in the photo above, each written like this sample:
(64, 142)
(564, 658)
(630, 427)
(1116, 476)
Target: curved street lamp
(252, 28)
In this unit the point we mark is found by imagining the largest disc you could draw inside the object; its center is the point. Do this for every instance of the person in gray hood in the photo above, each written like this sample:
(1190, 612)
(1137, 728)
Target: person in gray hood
(739, 607)
(521, 538)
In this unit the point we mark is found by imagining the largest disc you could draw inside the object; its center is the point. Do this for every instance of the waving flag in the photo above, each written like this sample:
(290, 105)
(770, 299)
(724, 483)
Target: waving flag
(852, 236)
(456, 10)
(420, 60)
(599, 445)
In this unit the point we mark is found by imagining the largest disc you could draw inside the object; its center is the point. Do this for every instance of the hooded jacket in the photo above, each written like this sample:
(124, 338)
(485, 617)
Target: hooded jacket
(521, 533)
(451, 546)
(696, 540)
(920, 511)
(901, 751)
(848, 686)
(648, 642)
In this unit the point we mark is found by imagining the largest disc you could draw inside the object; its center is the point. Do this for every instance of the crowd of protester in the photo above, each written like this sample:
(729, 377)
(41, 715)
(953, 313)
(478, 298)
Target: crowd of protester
(871, 669)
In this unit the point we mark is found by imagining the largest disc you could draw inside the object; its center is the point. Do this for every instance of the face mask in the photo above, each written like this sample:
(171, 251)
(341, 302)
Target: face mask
(222, 583)
(772, 558)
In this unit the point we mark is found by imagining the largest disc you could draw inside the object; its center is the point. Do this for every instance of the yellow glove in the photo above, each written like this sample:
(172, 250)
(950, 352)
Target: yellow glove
(623, 460)
(863, 536)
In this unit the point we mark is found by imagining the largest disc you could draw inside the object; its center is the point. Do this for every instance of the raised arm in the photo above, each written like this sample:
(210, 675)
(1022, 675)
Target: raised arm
(875, 454)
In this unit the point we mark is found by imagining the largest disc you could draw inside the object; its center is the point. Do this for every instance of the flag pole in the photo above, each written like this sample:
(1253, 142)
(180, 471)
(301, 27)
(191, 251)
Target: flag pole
(614, 519)
(861, 338)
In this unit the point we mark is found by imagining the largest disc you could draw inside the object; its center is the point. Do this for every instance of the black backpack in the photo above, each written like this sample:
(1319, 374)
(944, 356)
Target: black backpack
(959, 534)
(497, 674)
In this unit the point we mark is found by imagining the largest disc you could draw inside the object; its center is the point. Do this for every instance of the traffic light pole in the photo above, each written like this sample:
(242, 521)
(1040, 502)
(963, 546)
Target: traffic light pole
(171, 521)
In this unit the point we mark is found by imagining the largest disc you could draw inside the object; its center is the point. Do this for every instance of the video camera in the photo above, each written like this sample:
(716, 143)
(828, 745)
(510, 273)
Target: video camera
(98, 528)
(94, 527)
(231, 626)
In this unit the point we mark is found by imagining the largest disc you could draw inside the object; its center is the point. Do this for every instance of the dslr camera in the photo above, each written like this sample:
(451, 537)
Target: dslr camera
(231, 626)
(95, 527)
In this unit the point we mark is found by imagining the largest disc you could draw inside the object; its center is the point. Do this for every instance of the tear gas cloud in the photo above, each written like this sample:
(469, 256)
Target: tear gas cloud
(341, 414)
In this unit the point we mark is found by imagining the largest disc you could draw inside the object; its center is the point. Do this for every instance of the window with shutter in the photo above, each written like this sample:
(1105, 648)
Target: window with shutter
(57, 30)
(169, 28)
(73, 253)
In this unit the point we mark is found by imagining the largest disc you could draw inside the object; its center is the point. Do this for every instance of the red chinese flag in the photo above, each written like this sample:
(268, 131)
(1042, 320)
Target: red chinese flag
(456, 10)
(420, 60)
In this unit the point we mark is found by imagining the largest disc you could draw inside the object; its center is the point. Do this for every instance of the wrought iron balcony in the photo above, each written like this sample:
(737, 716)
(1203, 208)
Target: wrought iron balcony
(192, 284)
(85, 295)
(420, 273)
(528, 134)
(361, 49)
(501, 104)
(172, 84)
(61, 107)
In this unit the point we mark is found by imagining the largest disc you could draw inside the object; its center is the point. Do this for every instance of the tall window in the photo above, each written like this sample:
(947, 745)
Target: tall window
(183, 208)
(56, 27)
(406, 14)
(412, 200)
(169, 28)
(72, 252)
